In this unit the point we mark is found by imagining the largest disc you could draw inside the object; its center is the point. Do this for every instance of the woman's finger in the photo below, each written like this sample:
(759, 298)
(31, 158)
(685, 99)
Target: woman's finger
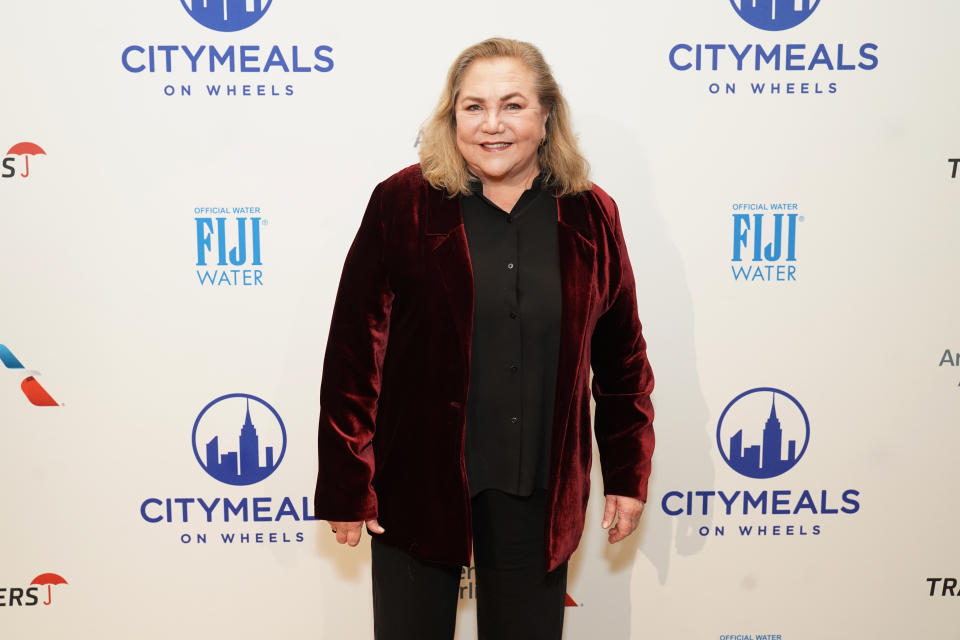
(609, 511)
(353, 536)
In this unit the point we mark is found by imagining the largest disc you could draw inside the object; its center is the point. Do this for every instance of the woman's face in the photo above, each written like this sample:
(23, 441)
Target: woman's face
(500, 121)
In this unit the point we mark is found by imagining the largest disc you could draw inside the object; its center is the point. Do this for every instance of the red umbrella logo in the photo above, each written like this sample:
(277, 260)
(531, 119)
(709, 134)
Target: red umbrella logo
(26, 149)
(48, 579)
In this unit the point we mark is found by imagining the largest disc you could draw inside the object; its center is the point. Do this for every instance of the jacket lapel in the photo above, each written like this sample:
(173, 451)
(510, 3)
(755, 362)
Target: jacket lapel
(578, 280)
(446, 239)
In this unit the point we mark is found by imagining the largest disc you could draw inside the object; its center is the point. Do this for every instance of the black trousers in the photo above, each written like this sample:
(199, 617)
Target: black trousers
(516, 598)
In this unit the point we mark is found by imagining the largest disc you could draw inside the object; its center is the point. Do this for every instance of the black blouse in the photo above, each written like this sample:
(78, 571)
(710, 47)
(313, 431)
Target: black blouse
(516, 339)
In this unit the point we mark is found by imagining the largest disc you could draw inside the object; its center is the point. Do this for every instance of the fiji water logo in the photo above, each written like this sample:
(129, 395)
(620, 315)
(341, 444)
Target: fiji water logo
(31, 595)
(228, 239)
(765, 241)
(31, 388)
(763, 433)
(239, 439)
(774, 15)
(16, 162)
(226, 15)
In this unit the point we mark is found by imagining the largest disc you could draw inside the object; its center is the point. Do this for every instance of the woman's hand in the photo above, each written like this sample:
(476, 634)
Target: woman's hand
(349, 532)
(627, 512)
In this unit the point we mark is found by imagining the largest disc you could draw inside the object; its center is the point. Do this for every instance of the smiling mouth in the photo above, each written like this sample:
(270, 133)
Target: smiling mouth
(495, 146)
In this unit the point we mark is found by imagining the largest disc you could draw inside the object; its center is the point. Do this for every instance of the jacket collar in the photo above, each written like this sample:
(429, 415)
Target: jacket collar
(443, 214)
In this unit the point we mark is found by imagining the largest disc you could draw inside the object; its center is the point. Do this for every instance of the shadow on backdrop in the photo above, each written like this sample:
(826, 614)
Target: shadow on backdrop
(600, 573)
(348, 592)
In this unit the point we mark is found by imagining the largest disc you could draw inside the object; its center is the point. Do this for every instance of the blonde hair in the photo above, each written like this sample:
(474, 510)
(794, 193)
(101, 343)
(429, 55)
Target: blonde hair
(443, 166)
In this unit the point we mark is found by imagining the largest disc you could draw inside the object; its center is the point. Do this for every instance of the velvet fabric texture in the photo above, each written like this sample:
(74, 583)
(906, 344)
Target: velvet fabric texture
(396, 373)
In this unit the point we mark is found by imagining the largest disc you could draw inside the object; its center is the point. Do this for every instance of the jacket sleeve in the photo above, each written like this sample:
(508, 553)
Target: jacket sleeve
(352, 368)
(622, 383)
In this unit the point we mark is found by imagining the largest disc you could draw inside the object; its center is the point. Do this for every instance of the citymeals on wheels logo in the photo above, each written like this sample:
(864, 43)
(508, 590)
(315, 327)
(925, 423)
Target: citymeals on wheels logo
(226, 15)
(769, 452)
(239, 440)
(273, 65)
(774, 15)
(229, 252)
(762, 433)
(254, 459)
(816, 62)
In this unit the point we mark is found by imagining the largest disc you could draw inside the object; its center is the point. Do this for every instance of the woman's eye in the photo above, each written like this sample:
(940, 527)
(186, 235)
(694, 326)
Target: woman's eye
(513, 105)
(473, 107)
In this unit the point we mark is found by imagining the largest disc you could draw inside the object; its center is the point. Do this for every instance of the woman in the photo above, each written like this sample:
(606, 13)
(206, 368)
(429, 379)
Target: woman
(482, 286)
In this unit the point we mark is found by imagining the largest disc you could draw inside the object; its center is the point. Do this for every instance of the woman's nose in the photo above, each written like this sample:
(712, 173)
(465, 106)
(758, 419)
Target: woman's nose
(491, 121)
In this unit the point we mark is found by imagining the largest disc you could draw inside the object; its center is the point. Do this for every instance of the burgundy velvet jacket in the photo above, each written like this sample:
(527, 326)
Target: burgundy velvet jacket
(397, 363)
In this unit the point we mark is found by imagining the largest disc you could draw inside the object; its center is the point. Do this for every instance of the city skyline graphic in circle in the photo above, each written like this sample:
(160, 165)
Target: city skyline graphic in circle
(226, 15)
(239, 439)
(763, 433)
(774, 15)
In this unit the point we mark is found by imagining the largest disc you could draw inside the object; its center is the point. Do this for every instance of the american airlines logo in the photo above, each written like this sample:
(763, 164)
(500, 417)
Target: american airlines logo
(31, 388)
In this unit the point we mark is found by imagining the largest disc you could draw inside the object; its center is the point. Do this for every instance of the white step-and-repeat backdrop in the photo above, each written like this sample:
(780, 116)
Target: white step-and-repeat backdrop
(181, 187)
